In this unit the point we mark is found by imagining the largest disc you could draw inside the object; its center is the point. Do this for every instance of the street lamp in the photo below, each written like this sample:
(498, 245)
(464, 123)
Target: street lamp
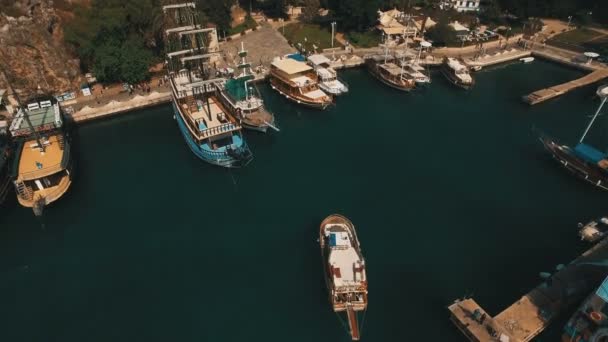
(333, 30)
(569, 20)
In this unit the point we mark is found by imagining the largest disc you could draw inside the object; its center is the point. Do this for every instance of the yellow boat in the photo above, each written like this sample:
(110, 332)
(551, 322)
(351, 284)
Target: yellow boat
(42, 158)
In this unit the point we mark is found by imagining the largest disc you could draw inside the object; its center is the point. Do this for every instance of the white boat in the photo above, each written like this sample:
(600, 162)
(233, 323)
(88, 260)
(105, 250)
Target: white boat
(527, 59)
(328, 77)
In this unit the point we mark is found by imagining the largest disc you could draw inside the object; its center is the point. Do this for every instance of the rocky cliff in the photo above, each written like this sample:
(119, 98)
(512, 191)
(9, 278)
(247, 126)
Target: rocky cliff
(32, 50)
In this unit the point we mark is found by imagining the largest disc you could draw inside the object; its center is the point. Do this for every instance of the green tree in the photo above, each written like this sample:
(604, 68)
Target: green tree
(135, 60)
(311, 10)
(442, 33)
(217, 11)
(358, 15)
(116, 38)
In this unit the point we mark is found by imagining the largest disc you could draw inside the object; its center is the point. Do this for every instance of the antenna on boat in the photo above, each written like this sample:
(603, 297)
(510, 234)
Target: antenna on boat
(602, 92)
(26, 115)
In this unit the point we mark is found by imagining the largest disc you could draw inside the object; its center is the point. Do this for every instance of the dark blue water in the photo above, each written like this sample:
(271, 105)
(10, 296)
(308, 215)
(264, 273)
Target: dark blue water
(450, 191)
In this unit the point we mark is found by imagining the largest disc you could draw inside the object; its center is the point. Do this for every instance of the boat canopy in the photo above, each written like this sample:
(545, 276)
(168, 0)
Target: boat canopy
(236, 87)
(589, 153)
(297, 57)
(291, 66)
(318, 59)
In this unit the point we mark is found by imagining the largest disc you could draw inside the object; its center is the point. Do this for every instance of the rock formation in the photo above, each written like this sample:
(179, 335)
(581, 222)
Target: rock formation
(32, 50)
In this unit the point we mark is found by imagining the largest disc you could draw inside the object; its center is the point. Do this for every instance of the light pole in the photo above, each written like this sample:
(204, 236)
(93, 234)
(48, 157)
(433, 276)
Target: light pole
(569, 20)
(333, 30)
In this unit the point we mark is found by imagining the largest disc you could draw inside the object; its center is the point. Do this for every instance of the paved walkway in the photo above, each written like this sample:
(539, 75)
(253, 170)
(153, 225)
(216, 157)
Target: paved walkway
(263, 45)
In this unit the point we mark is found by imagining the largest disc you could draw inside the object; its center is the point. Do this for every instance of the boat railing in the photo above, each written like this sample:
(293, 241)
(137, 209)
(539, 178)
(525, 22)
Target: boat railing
(52, 169)
(209, 132)
(24, 191)
(242, 150)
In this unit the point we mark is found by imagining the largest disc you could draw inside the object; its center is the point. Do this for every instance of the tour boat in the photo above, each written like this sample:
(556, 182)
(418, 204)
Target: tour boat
(590, 322)
(413, 68)
(390, 73)
(329, 81)
(594, 230)
(5, 176)
(240, 95)
(583, 160)
(210, 130)
(345, 274)
(457, 73)
(42, 162)
(298, 82)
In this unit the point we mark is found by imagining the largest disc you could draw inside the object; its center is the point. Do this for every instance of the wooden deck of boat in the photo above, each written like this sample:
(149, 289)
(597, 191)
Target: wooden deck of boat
(532, 313)
(552, 92)
(34, 162)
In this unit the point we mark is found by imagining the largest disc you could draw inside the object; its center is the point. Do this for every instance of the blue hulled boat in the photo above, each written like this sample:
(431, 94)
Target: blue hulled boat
(209, 128)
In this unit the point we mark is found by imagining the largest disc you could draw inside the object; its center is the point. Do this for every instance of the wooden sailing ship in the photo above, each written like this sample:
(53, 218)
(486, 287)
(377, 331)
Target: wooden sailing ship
(298, 82)
(584, 161)
(42, 163)
(242, 98)
(345, 273)
(210, 129)
(388, 72)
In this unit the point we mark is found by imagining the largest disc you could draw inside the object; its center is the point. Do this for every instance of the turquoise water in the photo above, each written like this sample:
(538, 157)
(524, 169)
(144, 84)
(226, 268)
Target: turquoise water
(450, 191)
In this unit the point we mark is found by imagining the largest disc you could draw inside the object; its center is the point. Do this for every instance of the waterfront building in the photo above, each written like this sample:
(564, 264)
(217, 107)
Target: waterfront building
(461, 5)
(211, 131)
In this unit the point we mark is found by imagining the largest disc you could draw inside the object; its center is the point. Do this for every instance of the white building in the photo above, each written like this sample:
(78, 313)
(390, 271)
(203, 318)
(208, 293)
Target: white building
(461, 5)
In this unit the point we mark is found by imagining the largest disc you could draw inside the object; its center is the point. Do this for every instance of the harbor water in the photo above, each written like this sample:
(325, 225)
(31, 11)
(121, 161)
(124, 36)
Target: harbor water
(450, 191)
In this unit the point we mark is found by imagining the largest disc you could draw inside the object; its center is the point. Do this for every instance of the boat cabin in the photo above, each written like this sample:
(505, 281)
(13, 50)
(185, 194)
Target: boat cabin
(297, 80)
(591, 155)
(43, 116)
(207, 118)
(459, 70)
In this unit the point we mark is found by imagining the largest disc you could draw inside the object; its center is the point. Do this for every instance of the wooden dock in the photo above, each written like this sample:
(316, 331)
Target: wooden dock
(552, 92)
(532, 313)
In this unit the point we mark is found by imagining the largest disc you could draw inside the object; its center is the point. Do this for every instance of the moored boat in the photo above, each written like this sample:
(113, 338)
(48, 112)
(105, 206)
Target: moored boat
(527, 59)
(585, 161)
(594, 230)
(42, 164)
(390, 73)
(457, 73)
(345, 273)
(210, 130)
(590, 322)
(298, 82)
(242, 98)
(328, 77)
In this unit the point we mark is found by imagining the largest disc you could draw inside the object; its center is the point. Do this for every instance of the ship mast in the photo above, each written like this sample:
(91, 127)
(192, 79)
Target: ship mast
(602, 92)
(245, 68)
(26, 115)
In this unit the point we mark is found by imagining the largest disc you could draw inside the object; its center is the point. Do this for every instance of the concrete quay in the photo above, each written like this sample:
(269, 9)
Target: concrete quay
(532, 313)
